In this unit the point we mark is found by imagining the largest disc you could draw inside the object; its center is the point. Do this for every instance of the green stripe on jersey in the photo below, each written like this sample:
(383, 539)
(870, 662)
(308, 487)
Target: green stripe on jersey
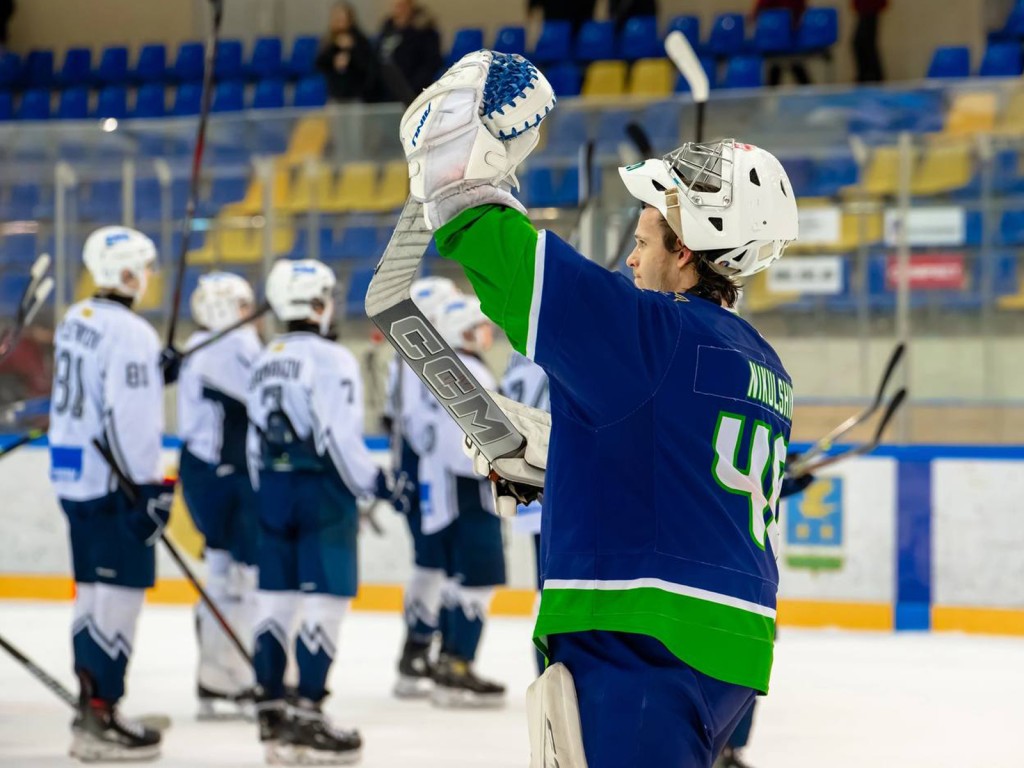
(496, 247)
(721, 641)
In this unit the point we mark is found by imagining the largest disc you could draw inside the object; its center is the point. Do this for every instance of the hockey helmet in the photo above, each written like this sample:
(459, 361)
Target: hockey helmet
(111, 251)
(220, 299)
(302, 289)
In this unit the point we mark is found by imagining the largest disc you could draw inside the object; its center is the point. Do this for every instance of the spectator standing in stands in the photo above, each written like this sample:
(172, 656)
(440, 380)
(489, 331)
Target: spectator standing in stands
(347, 59)
(796, 8)
(865, 40)
(575, 12)
(409, 46)
(6, 11)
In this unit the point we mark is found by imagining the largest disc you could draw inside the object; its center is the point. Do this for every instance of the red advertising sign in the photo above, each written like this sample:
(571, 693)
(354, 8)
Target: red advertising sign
(929, 272)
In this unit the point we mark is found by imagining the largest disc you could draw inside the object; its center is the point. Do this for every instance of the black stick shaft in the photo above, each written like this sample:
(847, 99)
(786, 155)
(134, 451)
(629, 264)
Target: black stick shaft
(261, 310)
(40, 674)
(132, 492)
(700, 120)
(217, 7)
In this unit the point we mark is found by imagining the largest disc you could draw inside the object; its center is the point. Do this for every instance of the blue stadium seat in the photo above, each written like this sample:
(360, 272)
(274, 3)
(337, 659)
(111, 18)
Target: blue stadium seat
(112, 102)
(188, 66)
(539, 187)
(302, 62)
(6, 106)
(951, 61)
(1011, 228)
(818, 30)
(773, 31)
(466, 40)
(228, 96)
(662, 121)
(710, 69)
(102, 201)
(38, 69)
(832, 174)
(566, 129)
(152, 64)
(689, 26)
(1015, 21)
(639, 39)
(74, 104)
(227, 189)
(302, 250)
(359, 283)
(744, 72)
(727, 35)
(269, 94)
(18, 250)
(554, 43)
(356, 242)
(511, 40)
(596, 41)
(1002, 60)
(187, 99)
(77, 68)
(113, 68)
(611, 130)
(10, 71)
(23, 200)
(311, 92)
(565, 78)
(266, 63)
(227, 62)
(150, 101)
(35, 105)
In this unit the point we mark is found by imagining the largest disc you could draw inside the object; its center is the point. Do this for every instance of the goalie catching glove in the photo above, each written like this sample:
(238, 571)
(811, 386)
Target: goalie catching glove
(516, 479)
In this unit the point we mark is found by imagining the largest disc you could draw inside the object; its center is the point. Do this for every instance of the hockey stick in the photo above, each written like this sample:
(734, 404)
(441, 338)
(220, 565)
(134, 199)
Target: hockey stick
(585, 200)
(28, 437)
(217, 8)
(818, 461)
(825, 443)
(36, 292)
(642, 143)
(156, 722)
(390, 306)
(256, 314)
(131, 491)
(681, 53)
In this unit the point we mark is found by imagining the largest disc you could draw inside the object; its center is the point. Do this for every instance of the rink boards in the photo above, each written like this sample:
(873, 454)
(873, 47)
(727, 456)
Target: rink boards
(910, 538)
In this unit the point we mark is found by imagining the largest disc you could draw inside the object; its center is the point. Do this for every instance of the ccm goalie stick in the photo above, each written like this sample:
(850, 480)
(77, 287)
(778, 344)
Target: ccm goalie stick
(390, 306)
(156, 722)
(681, 53)
(32, 300)
(815, 458)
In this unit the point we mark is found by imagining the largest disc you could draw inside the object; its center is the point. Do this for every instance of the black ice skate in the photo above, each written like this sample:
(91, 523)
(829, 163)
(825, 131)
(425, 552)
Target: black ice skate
(415, 671)
(310, 739)
(100, 734)
(214, 705)
(457, 686)
(272, 718)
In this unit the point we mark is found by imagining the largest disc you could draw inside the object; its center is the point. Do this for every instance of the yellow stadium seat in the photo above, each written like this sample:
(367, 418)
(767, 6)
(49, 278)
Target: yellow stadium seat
(308, 140)
(605, 78)
(355, 190)
(856, 229)
(945, 167)
(1011, 121)
(233, 242)
(972, 113)
(310, 189)
(881, 177)
(757, 297)
(252, 203)
(394, 187)
(652, 77)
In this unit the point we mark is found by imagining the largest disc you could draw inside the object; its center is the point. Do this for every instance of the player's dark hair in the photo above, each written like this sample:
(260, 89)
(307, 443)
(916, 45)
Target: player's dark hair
(711, 284)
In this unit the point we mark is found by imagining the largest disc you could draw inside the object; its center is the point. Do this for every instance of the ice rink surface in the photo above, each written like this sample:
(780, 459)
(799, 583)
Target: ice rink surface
(838, 699)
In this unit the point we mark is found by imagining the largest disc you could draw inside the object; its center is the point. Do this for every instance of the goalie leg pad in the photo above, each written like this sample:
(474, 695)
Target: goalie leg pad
(556, 737)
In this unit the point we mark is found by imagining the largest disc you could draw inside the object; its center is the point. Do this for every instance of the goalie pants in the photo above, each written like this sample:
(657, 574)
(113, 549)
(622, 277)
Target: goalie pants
(222, 504)
(641, 707)
(112, 568)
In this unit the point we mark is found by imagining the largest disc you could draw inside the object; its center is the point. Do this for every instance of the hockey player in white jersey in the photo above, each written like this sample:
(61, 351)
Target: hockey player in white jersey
(408, 406)
(212, 423)
(306, 445)
(462, 533)
(107, 386)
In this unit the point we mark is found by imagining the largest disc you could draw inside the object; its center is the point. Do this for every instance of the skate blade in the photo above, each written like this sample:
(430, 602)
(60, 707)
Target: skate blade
(286, 754)
(156, 722)
(412, 687)
(448, 698)
(87, 749)
(211, 713)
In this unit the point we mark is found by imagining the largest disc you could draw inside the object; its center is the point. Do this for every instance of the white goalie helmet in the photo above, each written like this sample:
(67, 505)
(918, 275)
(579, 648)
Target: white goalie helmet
(302, 290)
(111, 251)
(459, 316)
(221, 299)
(430, 294)
(722, 196)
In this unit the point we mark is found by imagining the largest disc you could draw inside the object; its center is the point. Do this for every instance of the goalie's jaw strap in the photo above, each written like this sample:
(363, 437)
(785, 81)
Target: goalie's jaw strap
(672, 215)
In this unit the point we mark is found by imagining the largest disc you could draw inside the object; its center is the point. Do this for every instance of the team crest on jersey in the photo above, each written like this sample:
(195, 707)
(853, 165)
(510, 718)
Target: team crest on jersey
(679, 297)
(86, 312)
(277, 347)
(814, 526)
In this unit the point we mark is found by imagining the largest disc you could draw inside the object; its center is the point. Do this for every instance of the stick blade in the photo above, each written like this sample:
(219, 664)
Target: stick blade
(682, 55)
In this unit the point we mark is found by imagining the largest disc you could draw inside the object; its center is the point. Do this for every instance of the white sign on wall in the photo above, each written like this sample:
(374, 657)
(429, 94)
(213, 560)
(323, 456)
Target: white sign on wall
(941, 225)
(816, 275)
(820, 225)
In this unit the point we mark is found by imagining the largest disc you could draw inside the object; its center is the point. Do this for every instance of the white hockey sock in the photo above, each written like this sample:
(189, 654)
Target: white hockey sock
(230, 585)
(423, 602)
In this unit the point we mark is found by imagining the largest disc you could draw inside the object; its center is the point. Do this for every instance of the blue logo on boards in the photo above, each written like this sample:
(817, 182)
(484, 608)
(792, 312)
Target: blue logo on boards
(65, 463)
(814, 526)
(423, 120)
